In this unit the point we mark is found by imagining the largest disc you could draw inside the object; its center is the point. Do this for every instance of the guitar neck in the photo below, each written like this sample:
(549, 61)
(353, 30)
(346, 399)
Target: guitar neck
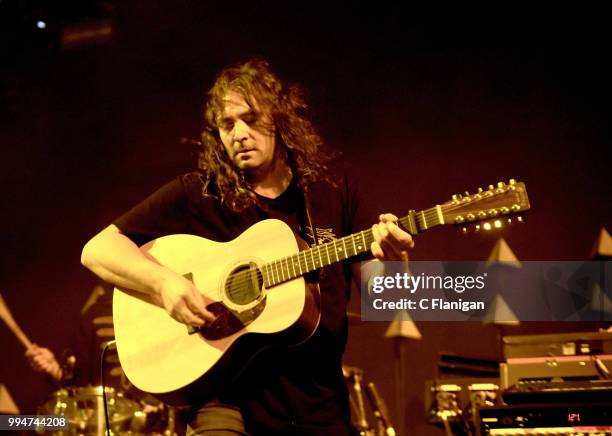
(291, 267)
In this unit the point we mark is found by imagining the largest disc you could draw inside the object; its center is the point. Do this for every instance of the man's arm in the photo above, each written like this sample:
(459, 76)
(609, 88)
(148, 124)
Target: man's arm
(114, 258)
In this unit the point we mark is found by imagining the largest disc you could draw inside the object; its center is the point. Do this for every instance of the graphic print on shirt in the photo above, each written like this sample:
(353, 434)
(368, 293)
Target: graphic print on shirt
(323, 235)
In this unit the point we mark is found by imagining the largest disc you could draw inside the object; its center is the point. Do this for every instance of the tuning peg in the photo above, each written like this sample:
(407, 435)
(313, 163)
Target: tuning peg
(486, 226)
(512, 182)
(498, 224)
(491, 187)
(504, 210)
(520, 219)
(479, 190)
(470, 217)
(493, 212)
(477, 227)
(501, 184)
(464, 230)
(459, 219)
(482, 215)
(516, 208)
(467, 194)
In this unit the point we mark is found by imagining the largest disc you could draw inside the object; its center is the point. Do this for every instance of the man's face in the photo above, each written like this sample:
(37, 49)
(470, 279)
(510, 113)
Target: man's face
(247, 135)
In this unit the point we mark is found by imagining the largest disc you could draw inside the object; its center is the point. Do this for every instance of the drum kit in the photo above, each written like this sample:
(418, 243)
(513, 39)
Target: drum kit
(135, 414)
(84, 409)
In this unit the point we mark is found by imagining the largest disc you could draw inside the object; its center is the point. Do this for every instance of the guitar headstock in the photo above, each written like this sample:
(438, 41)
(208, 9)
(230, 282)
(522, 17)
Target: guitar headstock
(492, 204)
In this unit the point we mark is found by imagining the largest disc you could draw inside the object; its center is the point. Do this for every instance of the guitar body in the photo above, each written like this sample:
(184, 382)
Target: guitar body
(161, 356)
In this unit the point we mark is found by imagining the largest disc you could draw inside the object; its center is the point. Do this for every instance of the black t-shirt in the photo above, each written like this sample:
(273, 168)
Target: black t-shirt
(287, 389)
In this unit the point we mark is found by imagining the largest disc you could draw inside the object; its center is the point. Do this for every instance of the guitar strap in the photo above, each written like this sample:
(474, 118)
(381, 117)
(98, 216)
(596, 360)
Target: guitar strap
(309, 221)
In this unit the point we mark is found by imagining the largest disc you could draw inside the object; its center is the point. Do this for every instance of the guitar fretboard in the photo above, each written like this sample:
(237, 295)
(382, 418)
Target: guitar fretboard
(291, 267)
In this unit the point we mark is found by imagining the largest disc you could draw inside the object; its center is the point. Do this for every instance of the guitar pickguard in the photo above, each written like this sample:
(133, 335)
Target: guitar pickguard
(228, 321)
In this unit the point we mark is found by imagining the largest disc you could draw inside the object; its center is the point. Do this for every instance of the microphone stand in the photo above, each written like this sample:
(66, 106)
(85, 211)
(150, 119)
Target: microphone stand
(384, 426)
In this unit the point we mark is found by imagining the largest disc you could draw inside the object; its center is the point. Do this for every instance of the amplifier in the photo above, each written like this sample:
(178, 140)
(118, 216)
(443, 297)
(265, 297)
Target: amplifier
(559, 344)
(577, 391)
(560, 368)
(546, 419)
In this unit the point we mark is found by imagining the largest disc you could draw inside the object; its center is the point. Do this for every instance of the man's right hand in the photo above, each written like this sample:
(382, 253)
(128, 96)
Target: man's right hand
(184, 302)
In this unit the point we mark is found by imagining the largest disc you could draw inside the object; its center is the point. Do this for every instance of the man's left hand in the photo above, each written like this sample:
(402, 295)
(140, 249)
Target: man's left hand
(390, 242)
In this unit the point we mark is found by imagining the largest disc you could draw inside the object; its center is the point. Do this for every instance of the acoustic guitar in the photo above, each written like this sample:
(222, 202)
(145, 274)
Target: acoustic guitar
(259, 291)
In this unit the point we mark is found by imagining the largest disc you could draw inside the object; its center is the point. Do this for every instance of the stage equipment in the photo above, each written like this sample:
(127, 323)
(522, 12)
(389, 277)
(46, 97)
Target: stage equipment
(84, 408)
(561, 344)
(354, 379)
(546, 420)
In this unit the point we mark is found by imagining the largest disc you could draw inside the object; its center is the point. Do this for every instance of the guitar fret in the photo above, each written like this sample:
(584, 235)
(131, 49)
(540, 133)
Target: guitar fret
(287, 270)
(363, 239)
(314, 264)
(284, 269)
(278, 280)
(344, 245)
(320, 258)
(270, 279)
(304, 262)
(279, 267)
(425, 226)
(290, 261)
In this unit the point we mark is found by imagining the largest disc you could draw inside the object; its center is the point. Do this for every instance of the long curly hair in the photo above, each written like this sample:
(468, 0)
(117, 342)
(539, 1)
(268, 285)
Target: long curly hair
(285, 105)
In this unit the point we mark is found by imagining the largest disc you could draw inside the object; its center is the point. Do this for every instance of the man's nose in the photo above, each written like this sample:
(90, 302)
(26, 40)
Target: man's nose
(241, 131)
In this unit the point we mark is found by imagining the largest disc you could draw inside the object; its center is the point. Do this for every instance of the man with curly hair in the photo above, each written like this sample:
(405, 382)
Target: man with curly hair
(261, 158)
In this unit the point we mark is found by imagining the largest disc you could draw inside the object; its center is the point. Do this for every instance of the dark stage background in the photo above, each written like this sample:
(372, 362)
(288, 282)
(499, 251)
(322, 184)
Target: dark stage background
(424, 106)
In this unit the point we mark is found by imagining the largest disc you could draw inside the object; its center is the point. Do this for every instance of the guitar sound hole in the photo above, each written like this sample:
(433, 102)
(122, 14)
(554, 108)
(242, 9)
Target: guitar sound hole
(244, 284)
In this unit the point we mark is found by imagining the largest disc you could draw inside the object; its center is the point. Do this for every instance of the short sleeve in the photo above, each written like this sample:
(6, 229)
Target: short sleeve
(164, 212)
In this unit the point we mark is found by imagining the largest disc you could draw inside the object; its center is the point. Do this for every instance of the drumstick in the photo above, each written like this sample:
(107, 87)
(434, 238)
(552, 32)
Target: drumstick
(6, 316)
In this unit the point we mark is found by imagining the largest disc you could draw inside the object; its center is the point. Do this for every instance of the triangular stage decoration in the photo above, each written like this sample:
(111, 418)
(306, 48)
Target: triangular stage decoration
(96, 293)
(402, 326)
(600, 301)
(7, 405)
(502, 253)
(603, 245)
(500, 313)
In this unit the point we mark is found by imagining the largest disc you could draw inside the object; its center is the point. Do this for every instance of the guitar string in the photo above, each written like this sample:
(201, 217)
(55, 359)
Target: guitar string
(245, 277)
(242, 278)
